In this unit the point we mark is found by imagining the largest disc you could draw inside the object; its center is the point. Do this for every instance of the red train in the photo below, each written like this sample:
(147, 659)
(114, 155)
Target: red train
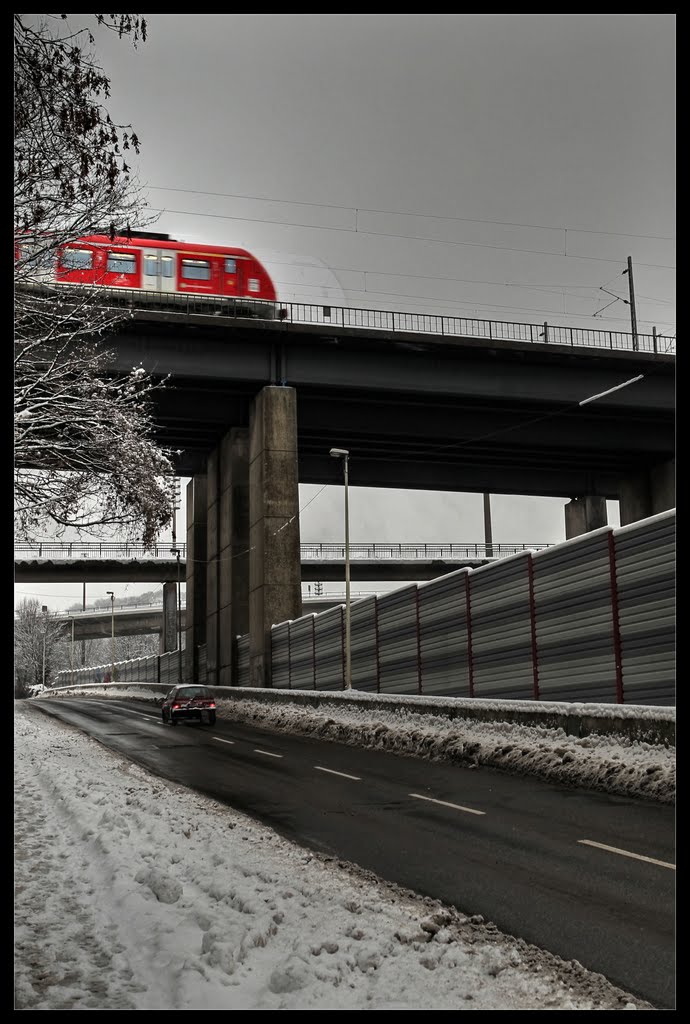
(165, 272)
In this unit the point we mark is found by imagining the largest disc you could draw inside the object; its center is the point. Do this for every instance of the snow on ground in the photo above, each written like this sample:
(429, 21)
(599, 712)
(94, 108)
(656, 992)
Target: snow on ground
(136, 893)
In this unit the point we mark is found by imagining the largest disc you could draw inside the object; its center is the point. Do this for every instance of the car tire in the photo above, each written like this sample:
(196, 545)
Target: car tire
(212, 719)
(172, 719)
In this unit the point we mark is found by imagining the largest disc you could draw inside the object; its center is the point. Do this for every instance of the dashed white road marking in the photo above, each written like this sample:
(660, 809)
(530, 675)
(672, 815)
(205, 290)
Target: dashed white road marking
(445, 803)
(268, 753)
(343, 775)
(219, 739)
(627, 853)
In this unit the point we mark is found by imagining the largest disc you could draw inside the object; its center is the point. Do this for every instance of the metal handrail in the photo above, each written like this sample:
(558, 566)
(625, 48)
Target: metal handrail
(319, 551)
(387, 320)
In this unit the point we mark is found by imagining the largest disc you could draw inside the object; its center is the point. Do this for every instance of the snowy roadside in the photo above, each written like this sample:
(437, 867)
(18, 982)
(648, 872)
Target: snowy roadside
(135, 893)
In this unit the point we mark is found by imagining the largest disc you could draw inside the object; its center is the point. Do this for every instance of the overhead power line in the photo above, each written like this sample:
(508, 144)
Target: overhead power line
(401, 213)
(390, 234)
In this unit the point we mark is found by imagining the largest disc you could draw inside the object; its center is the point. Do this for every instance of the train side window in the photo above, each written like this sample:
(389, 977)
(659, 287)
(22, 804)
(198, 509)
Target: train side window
(121, 263)
(151, 266)
(77, 259)
(167, 268)
(230, 265)
(196, 270)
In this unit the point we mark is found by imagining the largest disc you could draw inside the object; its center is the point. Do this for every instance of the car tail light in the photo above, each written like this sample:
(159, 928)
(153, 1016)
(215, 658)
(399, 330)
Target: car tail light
(176, 706)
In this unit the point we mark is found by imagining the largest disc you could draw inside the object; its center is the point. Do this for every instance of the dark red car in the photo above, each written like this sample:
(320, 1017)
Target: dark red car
(189, 704)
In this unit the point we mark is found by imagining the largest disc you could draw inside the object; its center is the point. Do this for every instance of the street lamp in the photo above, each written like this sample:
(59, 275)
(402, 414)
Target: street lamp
(177, 552)
(343, 453)
(44, 609)
(71, 654)
(112, 635)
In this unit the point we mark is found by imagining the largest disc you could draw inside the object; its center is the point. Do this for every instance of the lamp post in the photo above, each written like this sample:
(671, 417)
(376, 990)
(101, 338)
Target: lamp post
(44, 609)
(177, 552)
(112, 635)
(71, 653)
(343, 453)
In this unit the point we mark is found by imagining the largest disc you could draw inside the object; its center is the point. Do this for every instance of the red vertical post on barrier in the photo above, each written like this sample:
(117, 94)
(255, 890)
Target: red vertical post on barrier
(617, 649)
(342, 643)
(289, 658)
(313, 648)
(533, 626)
(376, 643)
(468, 619)
(419, 644)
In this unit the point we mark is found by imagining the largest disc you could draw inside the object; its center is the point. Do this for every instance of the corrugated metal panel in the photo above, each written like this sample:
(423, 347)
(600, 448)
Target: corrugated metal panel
(363, 644)
(645, 573)
(574, 622)
(501, 631)
(398, 661)
(328, 642)
(302, 653)
(443, 636)
(574, 630)
(170, 668)
(243, 660)
(280, 656)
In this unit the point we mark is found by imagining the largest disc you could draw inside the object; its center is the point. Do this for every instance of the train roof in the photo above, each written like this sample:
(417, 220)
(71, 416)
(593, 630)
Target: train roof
(153, 241)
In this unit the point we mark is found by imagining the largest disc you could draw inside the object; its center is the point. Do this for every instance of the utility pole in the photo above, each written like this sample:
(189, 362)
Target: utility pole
(633, 314)
(83, 608)
(175, 550)
(488, 540)
(44, 609)
(112, 635)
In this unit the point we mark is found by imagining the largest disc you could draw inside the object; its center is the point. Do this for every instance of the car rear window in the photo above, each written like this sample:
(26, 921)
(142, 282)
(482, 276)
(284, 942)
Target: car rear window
(194, 691)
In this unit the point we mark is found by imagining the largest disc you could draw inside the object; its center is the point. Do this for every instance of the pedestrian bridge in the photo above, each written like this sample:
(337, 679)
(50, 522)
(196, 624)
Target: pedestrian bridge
(145, 619)
(121, 562)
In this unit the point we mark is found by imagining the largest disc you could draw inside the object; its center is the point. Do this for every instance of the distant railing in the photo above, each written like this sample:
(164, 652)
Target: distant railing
(95, 549)
(120, 606)
(391, 321)
(309, 552)
(411, 551)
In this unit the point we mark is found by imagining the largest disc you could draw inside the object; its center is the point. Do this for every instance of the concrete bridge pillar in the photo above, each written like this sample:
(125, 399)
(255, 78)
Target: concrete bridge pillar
(648, 493)
(168, 635)
(275, 587)
(582, 515)
(195, 615)
(227, 587)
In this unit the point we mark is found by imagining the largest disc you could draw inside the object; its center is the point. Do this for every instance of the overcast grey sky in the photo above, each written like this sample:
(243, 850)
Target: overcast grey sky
(498, 166)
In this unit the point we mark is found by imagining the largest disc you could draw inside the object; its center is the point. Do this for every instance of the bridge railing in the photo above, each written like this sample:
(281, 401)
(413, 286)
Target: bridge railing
(393, 321)
(94, 549)
(383, 551)
(413, 551)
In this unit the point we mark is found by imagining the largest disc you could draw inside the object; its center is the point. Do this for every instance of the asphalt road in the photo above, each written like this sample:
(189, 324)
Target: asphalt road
(584, 875)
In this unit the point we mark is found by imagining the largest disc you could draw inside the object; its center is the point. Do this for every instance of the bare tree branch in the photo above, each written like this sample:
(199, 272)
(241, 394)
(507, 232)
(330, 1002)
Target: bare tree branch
(85, 448)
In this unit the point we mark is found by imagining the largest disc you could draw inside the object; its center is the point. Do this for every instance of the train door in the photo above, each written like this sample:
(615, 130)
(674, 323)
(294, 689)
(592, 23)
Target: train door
(158, 270)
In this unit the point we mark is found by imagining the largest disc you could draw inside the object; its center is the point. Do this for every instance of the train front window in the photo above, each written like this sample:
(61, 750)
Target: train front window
(122, 263)
(77, 259)
(196, 270)
(230, 265)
